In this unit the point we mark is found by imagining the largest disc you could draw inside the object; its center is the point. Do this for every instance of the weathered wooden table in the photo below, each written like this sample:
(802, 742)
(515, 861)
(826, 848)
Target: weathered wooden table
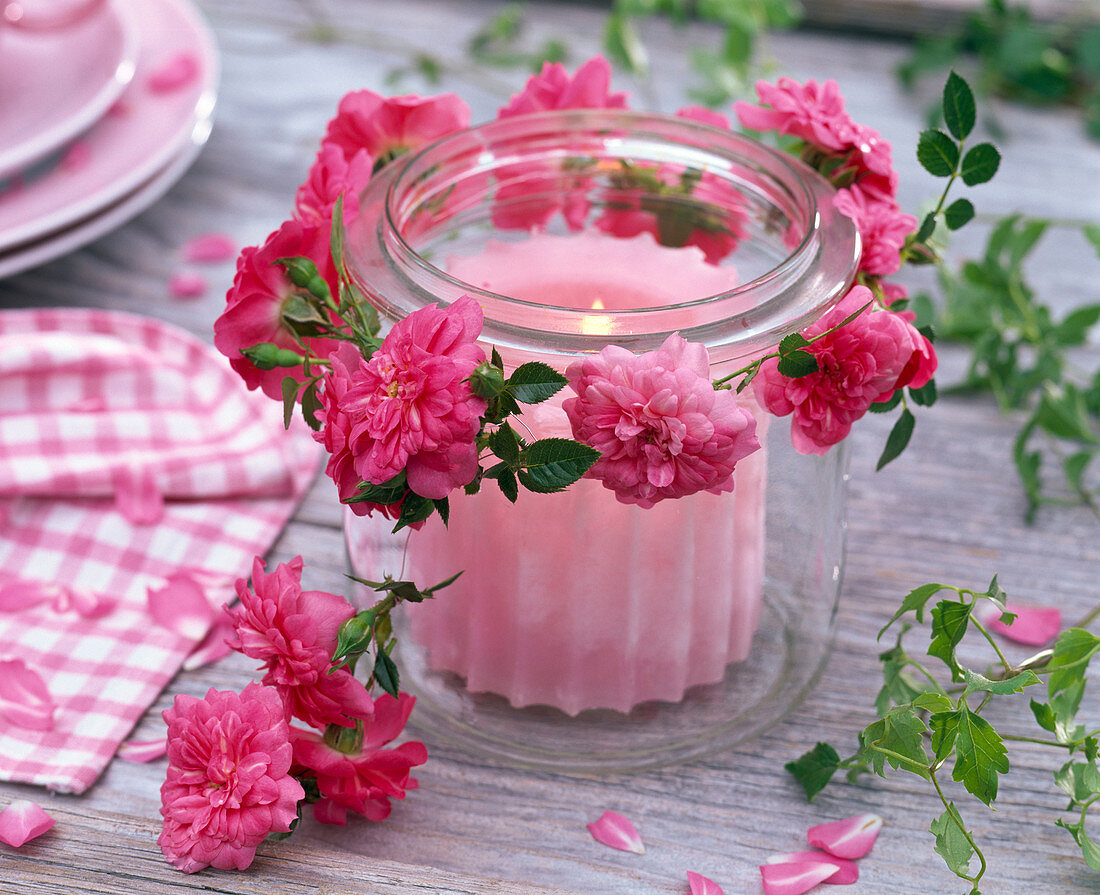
(949, 510)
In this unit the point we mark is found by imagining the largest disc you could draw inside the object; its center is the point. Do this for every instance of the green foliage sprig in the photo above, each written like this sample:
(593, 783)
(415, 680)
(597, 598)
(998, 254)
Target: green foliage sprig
(931, 717)
(1021, 354)
(1020, 57)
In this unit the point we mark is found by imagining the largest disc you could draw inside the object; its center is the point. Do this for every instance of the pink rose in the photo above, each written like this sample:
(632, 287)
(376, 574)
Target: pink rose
(552, 88)
(410, 406)
(662, 429)
(533, 193)
(386, 127)
(332, 174)
(228, 783)
(812, 112)
(293, 633)
(363, 781)
(882, 227)
(254, 304)
(334, 434)
(863, 362)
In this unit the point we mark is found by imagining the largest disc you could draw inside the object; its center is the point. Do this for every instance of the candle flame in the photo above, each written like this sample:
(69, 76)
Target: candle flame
(597, 324)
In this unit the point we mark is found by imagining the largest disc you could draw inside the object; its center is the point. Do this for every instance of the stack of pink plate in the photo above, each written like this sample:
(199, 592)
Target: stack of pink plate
(100, 114)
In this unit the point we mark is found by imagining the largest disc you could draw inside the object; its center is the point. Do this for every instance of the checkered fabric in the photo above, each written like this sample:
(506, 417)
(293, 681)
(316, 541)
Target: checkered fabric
(92, 402)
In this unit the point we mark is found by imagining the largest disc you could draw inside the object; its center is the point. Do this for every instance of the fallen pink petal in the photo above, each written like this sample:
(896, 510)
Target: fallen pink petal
(23, 821)
(187, 284)
(209, 248)
(850, 838)
(24, 699)
(179, 71)
(700, 885)
(847, 871)
(181, 606)
(137, 497)
(616, 831)
(143, 751)
(794, 879)
(87, 604)
(18, 595)
(1033, 626)
(213, 646)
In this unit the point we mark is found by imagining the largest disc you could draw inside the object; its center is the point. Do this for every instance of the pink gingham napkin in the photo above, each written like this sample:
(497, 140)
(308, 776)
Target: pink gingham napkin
(129, 453)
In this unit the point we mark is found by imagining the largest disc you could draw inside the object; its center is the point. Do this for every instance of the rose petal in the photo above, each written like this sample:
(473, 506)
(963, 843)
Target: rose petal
(187, 284)
(142, 751)
(852, 837)
(137, 497)
(23, 821)
(700, 885)
(847, 871)
(19, 595)
(328, 812)
(24, 699)
(213, 646)
(208, 248)
(181, 606)
(88, 604)
(794, 879)
(177, 72)
(616, 831)
(1034, 625)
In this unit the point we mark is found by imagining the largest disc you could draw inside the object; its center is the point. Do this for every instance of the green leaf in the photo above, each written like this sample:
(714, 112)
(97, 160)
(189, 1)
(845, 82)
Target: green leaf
(1065, 414)
(898, 439)
(901, 734)
(926, 395)
(886, 406)
(1074, 328)
(897, 689)
(290, 395)
(310, 405)
(386, 493)
(814, 769)
(933, 702)
(414, 508)
(914, 601)
(1078, 779)
(792, 342)
(980, 756)
(1074, 467)
(958, 106)
(1089, 850)
(504, 443)
(980, 164)
(927, 228)
(553, 464)
(443, 507)
(949, 622)
(622, 43)
(534, 382)
(1044, 715)
(508, 485)
(945, 730)
(796, 364)
(951, 843)
(385, 672)
(958, 213)
(1069, 661)
(937, 153)
(1092, 234)
(976, 682)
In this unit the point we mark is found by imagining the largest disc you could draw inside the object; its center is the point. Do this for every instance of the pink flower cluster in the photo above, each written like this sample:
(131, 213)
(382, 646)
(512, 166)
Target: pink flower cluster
(661, 427)
(235, 761)
(410, 406)
(815, 114)
(862, 362)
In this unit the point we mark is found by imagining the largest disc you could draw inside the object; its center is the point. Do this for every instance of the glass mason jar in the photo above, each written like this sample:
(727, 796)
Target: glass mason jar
(588, 634)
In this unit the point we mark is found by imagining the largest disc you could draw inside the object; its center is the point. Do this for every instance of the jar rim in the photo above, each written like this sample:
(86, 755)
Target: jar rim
(751, 317)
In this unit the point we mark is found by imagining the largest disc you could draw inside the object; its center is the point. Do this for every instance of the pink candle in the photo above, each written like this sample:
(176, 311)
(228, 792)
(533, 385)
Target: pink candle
(575, 600)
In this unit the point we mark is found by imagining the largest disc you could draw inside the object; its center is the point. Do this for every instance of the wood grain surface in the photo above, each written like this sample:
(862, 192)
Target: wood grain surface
(950, 510)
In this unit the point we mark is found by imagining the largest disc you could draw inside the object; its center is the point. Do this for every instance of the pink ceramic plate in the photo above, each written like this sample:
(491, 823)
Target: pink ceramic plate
(163, 110)
(70, 239)
(56, 84)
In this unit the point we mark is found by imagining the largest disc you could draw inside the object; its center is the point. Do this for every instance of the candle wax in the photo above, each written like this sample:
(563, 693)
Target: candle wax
(575, 600)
